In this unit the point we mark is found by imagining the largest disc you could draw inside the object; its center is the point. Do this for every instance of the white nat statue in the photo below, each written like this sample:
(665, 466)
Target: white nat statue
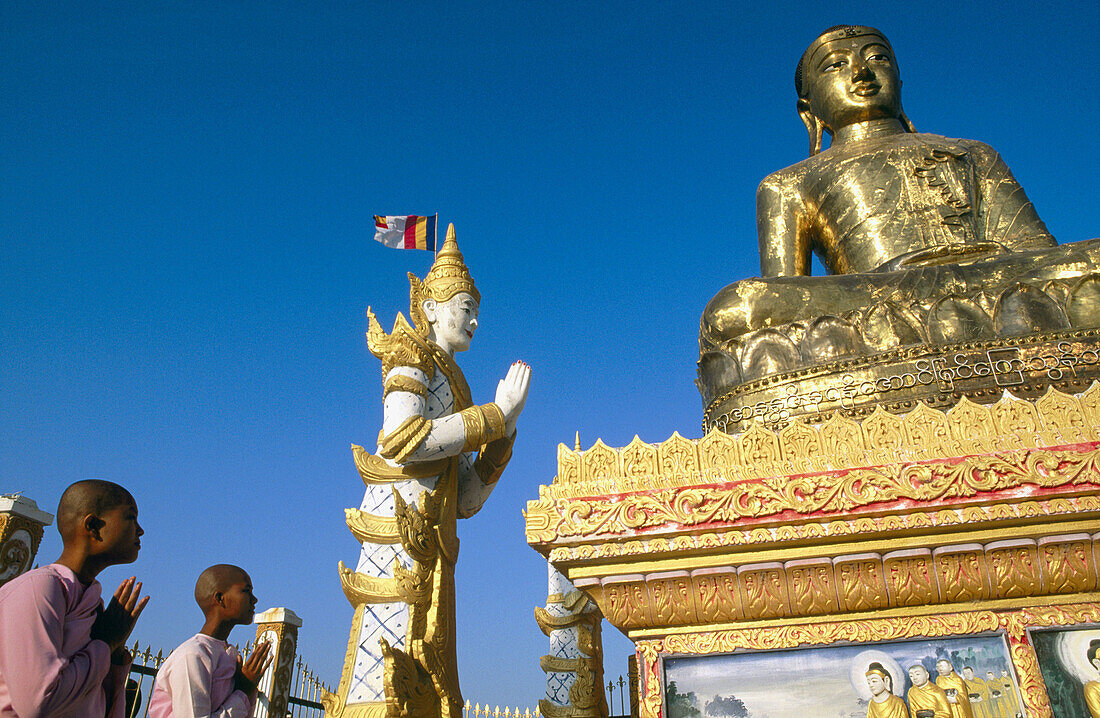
(437, 460)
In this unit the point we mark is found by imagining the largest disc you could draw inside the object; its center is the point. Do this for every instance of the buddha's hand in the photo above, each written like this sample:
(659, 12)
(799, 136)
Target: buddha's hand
(512, 394)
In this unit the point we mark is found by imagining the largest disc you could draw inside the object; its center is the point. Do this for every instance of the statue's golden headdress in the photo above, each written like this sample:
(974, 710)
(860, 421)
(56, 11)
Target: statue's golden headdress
(447, 277)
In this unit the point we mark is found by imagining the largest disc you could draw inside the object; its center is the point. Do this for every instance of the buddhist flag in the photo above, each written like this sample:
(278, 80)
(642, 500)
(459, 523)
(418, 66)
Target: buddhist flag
(407, 232)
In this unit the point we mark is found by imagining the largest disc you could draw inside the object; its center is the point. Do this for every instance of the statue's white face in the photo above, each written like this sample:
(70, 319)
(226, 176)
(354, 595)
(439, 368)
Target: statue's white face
(918, 675)
(452, 322)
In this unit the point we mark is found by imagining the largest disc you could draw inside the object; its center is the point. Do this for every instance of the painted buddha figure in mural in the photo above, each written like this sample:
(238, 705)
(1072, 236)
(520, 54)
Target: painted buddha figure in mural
(439, 456)
(926, 699)
(893, 213)
(883, 703)
(958, 695)
(1092, 688)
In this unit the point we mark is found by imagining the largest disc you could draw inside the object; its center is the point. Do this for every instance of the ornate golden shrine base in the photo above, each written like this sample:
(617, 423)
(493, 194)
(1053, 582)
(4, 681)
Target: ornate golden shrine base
(975, 521)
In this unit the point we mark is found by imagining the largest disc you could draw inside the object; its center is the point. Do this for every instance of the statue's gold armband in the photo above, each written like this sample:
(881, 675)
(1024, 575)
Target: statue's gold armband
(493, 457)
(482, 424)
(403, 382)
(400, 443)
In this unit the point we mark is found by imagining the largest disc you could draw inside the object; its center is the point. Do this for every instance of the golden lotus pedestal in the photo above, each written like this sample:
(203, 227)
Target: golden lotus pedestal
(921, 527)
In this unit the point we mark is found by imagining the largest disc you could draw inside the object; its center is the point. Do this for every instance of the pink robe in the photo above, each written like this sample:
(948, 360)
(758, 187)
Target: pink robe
(196, 681)
(49, 665)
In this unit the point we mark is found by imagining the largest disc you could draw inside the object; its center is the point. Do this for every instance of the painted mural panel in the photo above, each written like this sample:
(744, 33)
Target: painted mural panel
(1070, 663)
(963, 677)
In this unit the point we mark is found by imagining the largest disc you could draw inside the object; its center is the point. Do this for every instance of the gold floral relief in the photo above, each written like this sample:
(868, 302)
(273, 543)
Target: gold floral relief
(883, 431)
(928, 427)
(763, 591)
(671, 599)
(860, 583)
(1090, 405)
(800, 444)
(600, 462)
(677, 457)
(810, 587)
(639, 459)
(961, 573)
(569, 466)
(716, 594)
(971, 424)
(910, 578)
(842, 440)
(760, 449)
(718, 453)
(1013, 568)
(1012, 416)
(1066, 564)
(1063, 414)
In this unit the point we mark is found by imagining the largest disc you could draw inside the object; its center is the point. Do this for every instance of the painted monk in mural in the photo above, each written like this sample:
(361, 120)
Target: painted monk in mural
(926, 699)
(977, 692)
(955, 688)
(883, 704)
(998, 703)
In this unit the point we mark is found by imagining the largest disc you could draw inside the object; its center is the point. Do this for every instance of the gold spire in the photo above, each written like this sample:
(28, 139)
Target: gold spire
(449, 275)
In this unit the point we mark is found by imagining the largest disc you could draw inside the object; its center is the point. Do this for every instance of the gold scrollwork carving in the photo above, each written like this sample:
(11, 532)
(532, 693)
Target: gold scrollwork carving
(809, 494)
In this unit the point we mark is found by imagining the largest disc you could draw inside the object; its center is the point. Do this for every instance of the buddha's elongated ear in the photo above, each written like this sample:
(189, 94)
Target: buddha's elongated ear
(813, 123)
(906, 122)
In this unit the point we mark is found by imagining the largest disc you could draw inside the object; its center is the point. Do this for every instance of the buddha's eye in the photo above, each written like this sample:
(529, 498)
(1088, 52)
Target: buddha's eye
(835, 65)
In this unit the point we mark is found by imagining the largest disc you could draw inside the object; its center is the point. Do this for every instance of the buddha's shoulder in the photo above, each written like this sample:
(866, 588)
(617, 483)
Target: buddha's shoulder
(929, 139)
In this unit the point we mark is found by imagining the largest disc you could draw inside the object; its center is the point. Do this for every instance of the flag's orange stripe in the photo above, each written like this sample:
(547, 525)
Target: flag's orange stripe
(422, 233)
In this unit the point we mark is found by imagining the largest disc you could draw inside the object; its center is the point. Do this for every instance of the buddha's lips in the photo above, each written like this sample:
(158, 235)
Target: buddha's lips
(866, 89)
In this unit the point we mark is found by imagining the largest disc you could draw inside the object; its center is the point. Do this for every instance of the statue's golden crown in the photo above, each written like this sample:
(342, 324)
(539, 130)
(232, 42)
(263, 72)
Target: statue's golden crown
(448, 275)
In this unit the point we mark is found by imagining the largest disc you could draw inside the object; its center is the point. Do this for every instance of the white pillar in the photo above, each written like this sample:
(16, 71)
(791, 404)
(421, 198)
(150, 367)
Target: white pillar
(574, 666)
(279, 627)
(21, 526)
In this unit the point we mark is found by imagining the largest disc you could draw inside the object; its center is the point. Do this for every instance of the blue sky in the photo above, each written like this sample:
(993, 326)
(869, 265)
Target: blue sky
(186, 192)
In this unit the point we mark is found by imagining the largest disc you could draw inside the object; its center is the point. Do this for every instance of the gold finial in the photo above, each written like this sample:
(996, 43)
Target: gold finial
(577, 442)
(449, 275)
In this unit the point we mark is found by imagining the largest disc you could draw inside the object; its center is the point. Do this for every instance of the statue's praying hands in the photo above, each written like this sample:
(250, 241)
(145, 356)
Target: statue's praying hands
(512, 394)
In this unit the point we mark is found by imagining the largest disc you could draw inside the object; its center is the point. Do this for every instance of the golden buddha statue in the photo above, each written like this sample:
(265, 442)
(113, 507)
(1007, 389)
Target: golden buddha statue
(897, 216)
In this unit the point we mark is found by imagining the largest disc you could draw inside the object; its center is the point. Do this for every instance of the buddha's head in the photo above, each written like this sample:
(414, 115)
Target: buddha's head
(847, 75)
(878, 679)
(1094, 654)
(918, 674)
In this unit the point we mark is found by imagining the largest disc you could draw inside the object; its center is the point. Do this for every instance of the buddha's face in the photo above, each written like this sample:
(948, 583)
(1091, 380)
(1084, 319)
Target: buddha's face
(851, 80)
(876, 684)
(453, 322)
(918, 675)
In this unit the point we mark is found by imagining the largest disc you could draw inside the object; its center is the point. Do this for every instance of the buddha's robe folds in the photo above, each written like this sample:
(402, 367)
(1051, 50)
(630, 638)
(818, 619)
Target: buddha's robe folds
(892, 707)
(961, 707)
(1092, 698)
(928, 697)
